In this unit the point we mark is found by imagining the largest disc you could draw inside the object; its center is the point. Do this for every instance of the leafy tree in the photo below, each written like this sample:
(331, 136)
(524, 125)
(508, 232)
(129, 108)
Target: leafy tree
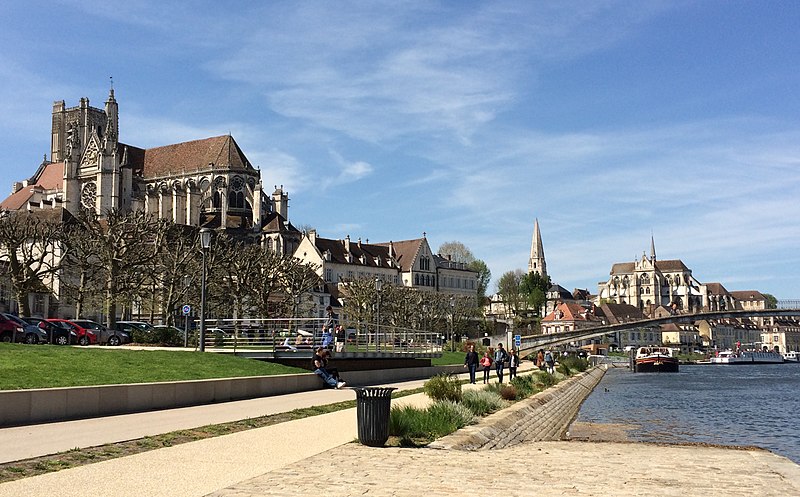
(535, 286)
(29, 243)
(509, 287)
(772, 302)
(484, 277)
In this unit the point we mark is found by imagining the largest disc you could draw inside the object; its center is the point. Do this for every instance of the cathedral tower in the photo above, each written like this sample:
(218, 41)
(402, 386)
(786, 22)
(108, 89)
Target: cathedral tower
(536, 263)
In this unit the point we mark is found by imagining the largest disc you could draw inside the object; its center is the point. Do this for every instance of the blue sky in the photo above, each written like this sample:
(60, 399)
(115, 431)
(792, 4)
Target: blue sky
(607, 121)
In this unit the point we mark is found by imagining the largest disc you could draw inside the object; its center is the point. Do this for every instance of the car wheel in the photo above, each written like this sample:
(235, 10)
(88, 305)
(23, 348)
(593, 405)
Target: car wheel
(62, 340)
(6, 338)
(31, 339)
(113, 340)
(84, 341)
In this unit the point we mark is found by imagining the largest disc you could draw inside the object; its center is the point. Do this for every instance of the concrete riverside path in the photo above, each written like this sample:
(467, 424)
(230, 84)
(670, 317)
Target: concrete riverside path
(313, 456)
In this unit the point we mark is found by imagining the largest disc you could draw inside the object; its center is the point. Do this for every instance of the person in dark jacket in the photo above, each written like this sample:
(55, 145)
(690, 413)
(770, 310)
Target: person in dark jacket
(513, 362)
(471, 362)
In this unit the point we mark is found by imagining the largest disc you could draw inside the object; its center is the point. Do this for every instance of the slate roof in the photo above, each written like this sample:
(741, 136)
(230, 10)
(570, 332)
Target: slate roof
(716, 289)
(668, 266)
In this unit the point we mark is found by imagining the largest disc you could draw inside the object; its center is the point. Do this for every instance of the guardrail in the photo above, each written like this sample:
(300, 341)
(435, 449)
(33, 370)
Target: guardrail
(288, 337)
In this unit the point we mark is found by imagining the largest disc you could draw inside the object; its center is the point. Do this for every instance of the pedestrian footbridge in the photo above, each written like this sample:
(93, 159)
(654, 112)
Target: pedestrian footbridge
(532, 343)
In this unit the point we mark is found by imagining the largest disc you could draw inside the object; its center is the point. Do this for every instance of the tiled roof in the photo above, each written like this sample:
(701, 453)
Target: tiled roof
(663, 266)
(275, 223)
(222, 151)
(50, 177)
(621, 313)
(716, 289)
(571, 312)
(405, 252)
(747, 295)
(357, 250)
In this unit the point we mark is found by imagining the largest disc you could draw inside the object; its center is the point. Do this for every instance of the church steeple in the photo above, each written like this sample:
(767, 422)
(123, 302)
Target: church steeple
(536, 263)
(652, 248)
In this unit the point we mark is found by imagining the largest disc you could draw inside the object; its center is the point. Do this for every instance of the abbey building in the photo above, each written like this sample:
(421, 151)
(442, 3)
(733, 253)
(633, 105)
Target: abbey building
(207, 182)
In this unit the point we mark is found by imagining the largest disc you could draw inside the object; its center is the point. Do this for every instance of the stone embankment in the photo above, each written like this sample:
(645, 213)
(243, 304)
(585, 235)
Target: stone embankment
(542, 417)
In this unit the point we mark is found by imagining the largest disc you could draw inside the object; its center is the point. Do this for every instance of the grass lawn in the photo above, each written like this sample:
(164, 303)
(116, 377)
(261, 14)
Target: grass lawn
(44, 366)
(448, 358)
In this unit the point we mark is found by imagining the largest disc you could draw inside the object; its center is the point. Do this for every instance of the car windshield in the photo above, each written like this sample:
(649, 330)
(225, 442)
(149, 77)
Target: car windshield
(15, 319)
(89, 324)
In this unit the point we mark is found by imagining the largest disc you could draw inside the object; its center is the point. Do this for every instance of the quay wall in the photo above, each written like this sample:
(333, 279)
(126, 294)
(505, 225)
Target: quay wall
(542, 417)
(43, 405)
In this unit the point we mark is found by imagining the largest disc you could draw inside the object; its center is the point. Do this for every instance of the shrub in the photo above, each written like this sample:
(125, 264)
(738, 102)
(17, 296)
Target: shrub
(482, 402)
(545, 380)
(525, 385)
(508, 392)
(440, 419)
(443, 387)
(572, 364)
(450, 416)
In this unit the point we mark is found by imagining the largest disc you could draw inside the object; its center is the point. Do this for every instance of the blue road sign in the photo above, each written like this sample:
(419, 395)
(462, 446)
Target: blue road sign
(186, 309)
(517, 340)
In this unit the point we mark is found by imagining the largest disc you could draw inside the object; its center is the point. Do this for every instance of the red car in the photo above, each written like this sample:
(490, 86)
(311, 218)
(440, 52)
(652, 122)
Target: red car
(85, 335)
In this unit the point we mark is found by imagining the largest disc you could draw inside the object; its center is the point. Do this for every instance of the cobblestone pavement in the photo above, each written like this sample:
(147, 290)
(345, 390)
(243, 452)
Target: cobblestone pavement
(540, 468)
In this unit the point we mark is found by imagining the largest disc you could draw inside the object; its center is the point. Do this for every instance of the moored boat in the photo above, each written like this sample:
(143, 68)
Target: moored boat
(655, 360)
(747, 357)
(792, 356)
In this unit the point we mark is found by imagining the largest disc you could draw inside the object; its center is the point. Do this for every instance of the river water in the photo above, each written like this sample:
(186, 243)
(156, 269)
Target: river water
(744, 405)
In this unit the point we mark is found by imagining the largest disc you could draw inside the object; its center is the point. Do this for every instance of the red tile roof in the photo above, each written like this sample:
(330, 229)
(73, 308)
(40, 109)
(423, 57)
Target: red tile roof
(50, 177)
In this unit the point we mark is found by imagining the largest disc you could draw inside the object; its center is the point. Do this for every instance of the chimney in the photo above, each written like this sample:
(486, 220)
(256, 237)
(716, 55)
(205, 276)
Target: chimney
(312, 235)
(17, 186)
(346, 243)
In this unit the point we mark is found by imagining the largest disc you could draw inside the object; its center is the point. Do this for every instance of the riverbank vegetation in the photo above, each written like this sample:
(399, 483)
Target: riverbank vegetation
(453, 409)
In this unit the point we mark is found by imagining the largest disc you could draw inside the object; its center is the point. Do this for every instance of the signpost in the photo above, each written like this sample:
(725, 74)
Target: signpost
(186, 309)
(517, 341)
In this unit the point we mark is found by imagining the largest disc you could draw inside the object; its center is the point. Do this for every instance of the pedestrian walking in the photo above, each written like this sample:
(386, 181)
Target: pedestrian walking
(540, 360)
(500, 358)
(486, 362)
(549, 362)
(471, 362)
(513, 363)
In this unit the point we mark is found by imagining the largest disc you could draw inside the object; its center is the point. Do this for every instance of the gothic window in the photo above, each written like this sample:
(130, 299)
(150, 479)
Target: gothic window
(89, 196)
(416, 280)
(216, 202)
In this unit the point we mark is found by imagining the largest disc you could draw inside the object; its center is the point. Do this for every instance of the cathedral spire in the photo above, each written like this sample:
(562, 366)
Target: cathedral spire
(536, 263)
(652, 248)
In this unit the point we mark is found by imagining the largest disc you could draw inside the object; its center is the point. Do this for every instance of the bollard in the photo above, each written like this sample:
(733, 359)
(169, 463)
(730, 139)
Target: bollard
(372, 409)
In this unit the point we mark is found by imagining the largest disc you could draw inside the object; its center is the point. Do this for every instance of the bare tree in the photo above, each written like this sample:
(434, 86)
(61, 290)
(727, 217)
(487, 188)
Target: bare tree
(29, 245)
(126, 243)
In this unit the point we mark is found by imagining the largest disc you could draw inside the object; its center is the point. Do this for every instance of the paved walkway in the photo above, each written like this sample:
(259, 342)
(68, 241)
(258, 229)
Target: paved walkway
(285, 459)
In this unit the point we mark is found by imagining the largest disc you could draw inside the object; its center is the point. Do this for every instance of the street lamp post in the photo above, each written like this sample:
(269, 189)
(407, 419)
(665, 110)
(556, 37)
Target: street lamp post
(187, 280)
(205, 244)
(378, 286)
(452, 324)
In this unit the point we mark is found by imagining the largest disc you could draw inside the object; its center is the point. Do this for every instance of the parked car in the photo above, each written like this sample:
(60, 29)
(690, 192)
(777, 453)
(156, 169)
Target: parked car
(104, 335)
(139, 331)
(32, 334)
(56, 333)
(10, 331)
(85, 336)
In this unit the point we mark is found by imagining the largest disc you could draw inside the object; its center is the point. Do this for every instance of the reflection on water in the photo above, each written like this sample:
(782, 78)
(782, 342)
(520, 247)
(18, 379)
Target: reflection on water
(721, 404)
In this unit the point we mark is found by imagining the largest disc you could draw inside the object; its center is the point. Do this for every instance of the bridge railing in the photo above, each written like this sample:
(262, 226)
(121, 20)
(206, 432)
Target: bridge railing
(289, 337)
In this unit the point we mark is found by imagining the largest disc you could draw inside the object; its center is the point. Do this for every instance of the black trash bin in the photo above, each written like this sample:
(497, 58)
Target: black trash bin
(372, 407)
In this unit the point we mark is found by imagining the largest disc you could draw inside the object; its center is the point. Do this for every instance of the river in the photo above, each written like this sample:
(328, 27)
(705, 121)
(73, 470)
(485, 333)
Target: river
(738, 405)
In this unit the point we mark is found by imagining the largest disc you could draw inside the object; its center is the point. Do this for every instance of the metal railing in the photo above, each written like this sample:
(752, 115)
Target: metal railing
(293, 337)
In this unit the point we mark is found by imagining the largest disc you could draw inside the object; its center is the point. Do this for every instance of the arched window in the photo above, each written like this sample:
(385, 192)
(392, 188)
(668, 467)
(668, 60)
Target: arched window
(216, 202)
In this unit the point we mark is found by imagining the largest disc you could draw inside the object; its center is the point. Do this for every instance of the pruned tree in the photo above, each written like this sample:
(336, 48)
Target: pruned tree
(126, 243)
(29, 245)
(81, 274)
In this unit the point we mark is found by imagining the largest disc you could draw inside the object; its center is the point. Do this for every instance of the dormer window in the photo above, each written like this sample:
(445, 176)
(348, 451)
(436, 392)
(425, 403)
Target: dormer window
(327, 255)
